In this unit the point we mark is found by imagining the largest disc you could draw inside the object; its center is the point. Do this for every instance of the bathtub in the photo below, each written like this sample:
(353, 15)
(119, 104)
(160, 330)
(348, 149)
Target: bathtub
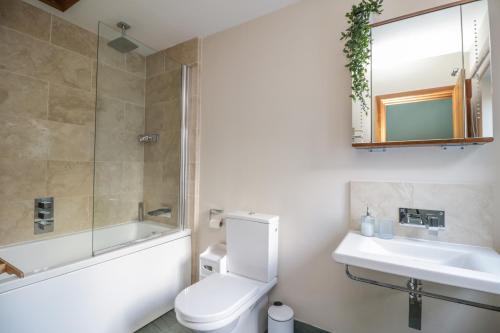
(133, 277)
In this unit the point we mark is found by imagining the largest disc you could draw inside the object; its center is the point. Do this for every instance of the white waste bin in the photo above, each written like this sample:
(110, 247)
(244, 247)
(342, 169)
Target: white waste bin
(280, 318)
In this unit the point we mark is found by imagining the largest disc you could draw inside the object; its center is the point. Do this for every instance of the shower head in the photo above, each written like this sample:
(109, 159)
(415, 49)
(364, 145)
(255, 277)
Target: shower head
(122, 44)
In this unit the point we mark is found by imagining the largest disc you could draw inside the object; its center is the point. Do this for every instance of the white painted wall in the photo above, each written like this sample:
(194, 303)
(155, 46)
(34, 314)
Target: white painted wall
(276, 138)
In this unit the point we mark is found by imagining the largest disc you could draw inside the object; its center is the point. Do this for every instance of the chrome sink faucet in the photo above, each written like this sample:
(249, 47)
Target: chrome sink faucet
(433, 220)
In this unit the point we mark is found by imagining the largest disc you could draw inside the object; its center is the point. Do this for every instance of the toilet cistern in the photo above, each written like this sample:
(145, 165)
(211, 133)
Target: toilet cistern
(234, 300)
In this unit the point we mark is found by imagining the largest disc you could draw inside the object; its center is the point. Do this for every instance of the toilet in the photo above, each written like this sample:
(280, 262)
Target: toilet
(236, 301)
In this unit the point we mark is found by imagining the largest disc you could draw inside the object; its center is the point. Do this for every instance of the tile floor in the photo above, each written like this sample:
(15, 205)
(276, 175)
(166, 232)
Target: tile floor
(168, 324)
(165, 324)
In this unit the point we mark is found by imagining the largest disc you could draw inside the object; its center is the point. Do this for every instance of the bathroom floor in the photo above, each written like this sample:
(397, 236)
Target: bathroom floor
(165, 324)
(168, 324)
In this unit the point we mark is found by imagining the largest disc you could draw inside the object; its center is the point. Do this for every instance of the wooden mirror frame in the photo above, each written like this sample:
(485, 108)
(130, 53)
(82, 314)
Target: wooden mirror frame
(442, 142)
(62, 5)
(456, 93)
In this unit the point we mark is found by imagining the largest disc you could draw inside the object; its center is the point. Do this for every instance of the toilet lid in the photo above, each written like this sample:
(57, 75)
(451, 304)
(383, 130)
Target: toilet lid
(214, 298)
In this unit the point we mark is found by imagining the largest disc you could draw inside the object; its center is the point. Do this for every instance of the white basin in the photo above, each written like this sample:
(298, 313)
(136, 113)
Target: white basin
(465, 266)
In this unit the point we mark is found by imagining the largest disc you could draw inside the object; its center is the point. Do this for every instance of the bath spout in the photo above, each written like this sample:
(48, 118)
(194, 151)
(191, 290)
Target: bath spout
(161, 212)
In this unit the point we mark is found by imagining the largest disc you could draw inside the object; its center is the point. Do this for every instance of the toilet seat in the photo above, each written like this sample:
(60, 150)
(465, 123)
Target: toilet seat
(214, 297)
(218, 300)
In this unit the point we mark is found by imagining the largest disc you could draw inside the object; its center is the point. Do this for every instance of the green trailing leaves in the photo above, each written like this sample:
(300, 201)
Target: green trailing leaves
(357, 50)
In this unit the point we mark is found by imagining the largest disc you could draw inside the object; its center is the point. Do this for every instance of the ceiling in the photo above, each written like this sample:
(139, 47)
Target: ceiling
(164, 23)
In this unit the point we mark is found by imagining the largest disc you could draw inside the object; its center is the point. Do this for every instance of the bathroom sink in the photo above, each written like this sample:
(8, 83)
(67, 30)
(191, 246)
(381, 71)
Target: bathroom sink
(464, 266)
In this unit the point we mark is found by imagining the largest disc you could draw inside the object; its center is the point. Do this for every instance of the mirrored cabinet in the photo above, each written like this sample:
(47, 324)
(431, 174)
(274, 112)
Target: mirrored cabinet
(430, 79)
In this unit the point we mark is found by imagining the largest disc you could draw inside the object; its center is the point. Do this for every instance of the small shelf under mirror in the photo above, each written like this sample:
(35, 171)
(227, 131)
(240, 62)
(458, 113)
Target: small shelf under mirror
(422, 143)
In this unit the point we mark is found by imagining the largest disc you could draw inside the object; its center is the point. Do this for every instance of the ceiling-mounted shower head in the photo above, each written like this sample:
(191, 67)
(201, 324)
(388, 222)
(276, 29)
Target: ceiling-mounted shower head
(122, 44)
(124, 26)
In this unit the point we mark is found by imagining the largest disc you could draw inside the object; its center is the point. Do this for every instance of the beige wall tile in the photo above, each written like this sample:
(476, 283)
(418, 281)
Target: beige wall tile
(71, 214)
(132, 150)
(116, 145)
(120, 84)
(159, 151)
(107, 210)
(24, 138)
(153, 172)
(155, 64)
(163, 115)
(164, 87)
(94, 75)
(156, 117)
(116, 208)
(110, 56)
(22, 179)
(74, 38)
(194, 81)
(134, 118)
(23, 17)
(171, 65)
(25, 55)
(109, 146)
(68, 142)
(462, 205)
(17, 221)
(129, 206)
(132, 177)
(170, 185)
(110, 114)
(172, 165)
(136, 63)
(469, 211)
(69, 105)
(184, 53)
(23, 96)
(69, 178)
(108, 178)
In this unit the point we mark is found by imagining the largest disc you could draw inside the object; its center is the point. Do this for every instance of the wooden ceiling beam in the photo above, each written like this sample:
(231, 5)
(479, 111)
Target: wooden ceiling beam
(62, 5)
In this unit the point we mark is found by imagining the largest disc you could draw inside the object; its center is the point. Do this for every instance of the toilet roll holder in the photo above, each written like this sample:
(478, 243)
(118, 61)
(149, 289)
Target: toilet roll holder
(216, 214)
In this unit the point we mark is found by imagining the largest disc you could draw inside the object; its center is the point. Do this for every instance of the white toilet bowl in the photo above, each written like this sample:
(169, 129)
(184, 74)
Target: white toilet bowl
(224, 303)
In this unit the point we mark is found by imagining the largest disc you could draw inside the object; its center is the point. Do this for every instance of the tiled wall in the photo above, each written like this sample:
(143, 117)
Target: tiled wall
(163, 117)
(161, 170)
(121, 83)
(47, 109)
(469, 208)
(47, 102)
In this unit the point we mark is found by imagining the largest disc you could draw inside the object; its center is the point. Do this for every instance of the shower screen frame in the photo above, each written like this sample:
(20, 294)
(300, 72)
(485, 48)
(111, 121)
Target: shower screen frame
(183, 189)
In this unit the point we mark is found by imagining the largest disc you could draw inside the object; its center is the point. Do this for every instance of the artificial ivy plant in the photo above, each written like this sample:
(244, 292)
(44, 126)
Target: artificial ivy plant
(357, 47)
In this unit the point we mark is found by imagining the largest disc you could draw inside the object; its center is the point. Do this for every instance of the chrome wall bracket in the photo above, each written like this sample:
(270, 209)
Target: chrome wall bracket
(415, 304)
(415, 291)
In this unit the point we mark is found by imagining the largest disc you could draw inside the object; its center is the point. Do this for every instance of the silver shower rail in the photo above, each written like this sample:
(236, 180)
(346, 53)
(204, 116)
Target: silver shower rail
(183, 185)
(421, 292)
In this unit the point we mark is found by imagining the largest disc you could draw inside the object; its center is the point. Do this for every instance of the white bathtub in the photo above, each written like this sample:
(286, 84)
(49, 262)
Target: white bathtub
(136, 272)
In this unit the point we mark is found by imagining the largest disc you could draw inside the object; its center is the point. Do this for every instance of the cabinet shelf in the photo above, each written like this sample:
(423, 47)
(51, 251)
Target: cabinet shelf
(423, 143)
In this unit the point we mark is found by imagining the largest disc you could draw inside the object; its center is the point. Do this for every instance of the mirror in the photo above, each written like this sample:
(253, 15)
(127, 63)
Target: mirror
(430, 78)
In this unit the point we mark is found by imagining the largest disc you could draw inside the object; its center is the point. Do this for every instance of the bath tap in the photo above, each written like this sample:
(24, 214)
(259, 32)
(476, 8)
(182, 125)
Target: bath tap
(140, 212)
(161, 212)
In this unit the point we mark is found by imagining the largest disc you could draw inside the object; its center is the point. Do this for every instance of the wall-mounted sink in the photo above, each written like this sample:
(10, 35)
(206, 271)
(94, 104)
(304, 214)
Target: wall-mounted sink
(465, 266)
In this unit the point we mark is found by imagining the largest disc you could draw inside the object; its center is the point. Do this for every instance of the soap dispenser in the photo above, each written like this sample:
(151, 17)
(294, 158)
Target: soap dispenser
(368, 224)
